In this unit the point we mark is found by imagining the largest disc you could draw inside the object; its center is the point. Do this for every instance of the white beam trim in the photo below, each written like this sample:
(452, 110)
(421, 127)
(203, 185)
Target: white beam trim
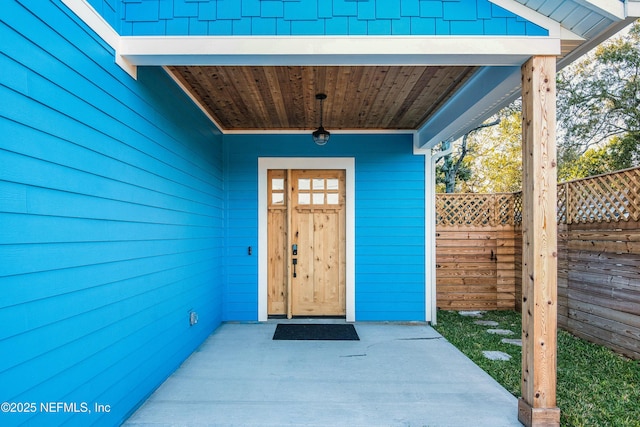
(96, 22)
(555, 29)
(430, 290)
(632, 8)
(332, 50)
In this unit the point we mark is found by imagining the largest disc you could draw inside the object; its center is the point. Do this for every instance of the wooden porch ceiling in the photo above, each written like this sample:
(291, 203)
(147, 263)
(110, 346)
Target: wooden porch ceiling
(252, 98)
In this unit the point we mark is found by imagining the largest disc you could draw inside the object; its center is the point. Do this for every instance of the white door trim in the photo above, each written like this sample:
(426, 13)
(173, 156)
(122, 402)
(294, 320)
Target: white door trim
(346, 163)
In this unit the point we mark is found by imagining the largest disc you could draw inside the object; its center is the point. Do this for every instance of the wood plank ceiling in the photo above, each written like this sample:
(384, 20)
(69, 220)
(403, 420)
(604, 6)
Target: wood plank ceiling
(242, 98)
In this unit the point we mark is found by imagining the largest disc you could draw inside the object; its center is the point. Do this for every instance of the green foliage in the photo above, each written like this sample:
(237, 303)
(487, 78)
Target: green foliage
(619, 153)
(496, 155)
(598, 111)
(598, 99)
(596, 387)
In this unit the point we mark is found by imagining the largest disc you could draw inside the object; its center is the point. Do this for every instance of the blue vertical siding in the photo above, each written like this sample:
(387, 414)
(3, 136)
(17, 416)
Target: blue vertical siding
(111, 221)
(389, 246)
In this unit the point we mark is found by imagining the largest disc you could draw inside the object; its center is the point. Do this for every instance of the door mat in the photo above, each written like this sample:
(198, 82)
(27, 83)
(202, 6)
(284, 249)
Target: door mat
(327, 332)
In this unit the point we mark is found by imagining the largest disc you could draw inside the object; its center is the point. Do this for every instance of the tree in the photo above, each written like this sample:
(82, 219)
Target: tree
(453, 170)
(599, 107)
(497, 156)
(619, 153)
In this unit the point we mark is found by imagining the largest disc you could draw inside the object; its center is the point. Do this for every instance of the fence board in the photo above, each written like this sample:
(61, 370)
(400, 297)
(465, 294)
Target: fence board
(479, 248)
(475, 267)
(602, 337)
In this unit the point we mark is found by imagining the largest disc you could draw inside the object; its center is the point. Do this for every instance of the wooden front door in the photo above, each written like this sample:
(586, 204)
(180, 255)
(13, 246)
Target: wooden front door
(306, 243)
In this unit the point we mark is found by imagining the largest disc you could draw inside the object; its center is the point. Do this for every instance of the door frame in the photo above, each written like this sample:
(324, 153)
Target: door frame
(345, 163)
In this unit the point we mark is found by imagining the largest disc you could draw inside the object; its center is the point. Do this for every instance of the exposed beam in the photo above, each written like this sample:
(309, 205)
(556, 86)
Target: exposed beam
(537, 406)
(334, 50)
(485, 93)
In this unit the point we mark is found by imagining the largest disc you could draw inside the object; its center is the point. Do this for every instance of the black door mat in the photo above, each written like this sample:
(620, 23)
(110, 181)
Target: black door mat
(306, 331)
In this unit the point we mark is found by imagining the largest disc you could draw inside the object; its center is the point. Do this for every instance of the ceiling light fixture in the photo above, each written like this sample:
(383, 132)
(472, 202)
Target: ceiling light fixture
(321, 136)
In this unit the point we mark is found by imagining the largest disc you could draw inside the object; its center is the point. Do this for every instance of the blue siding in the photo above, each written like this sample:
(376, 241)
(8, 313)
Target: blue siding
(311, 17)
(389, 181)
(111, 213)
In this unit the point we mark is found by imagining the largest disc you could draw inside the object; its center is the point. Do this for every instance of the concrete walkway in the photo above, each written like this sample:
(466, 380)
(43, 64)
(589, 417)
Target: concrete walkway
(396, 375)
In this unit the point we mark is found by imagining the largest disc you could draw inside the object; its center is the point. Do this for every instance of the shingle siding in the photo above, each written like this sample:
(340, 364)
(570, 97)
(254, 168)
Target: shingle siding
(310, 17)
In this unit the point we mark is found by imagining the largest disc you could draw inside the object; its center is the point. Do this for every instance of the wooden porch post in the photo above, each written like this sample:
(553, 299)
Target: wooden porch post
(537, 406)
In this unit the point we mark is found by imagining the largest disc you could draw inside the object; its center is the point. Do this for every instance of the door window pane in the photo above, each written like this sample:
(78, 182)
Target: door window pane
(318, 198)
(277, 184)
(332, 199)
(304, 184)
(332, 184)
(318, 184)
(304, 198)
(277, 198)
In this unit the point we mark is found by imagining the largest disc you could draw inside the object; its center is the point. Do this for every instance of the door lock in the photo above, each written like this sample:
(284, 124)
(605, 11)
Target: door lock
(294, 249)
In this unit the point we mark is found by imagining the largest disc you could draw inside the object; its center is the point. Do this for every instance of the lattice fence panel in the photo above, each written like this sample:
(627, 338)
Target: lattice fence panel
(508, 208)
(478, 210)
(562, 203)
(605, 198)
(517, 208)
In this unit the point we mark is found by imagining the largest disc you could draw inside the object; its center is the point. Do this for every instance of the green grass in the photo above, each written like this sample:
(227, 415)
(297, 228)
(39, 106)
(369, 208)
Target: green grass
(596, 387)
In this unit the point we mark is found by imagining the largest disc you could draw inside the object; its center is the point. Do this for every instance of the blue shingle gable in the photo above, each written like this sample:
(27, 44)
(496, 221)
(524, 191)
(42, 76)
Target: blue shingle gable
(313, 17)
(462, 10)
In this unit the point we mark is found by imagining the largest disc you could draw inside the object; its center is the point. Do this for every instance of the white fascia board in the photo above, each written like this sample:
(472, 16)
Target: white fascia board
(632, 8)
(581, 50)
(331, 50)
(555, 29)
(96, 22)
(485, 93)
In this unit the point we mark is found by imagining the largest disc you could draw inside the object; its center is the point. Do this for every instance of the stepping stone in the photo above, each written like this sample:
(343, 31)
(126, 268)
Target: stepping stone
(496, 355)
(471, 313)
(486, 322)
(500, 331)
(517, 342)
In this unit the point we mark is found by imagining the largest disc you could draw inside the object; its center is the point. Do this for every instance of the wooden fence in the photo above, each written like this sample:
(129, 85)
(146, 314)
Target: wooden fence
(479, 256)
(599, 260)
(476, 251)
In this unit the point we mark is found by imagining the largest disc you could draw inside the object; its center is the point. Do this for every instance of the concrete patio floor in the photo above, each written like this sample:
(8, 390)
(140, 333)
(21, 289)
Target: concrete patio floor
(396, 375)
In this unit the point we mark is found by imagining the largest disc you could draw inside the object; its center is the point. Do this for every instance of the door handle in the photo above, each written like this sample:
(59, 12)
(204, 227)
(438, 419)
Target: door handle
(295, 262)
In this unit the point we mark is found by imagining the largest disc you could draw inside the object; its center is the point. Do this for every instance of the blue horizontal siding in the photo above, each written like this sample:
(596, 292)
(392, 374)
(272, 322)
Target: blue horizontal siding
(46, 201)
(32, 229)
(309, 17)
(90, 277)
(389, 198)
(111, 213)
